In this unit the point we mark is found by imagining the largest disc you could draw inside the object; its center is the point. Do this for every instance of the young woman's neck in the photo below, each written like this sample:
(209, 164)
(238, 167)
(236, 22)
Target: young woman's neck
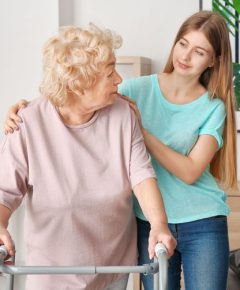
(180, 89)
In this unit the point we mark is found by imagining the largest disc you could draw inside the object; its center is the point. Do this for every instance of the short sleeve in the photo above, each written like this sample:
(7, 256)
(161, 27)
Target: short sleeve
(13, 169)
(140, 161)
(214, 124)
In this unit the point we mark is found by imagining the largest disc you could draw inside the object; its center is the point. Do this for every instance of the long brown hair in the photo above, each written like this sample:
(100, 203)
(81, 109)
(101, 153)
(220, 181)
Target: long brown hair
(218, 80)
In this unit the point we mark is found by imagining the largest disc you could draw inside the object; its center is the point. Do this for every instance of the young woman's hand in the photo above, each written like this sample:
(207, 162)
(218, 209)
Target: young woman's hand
(12, 119)
(134, 107)
(161, 234)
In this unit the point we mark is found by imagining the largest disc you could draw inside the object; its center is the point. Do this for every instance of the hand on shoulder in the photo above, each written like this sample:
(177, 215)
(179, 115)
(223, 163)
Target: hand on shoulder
(12, 118)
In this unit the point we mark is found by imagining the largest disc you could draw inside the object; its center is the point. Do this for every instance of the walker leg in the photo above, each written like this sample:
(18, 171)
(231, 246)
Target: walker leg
(10, 282)
(156, 278)
(10, 278)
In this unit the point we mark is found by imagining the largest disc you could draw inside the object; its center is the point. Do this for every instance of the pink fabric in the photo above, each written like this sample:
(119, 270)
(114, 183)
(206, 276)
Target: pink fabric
(78, 183)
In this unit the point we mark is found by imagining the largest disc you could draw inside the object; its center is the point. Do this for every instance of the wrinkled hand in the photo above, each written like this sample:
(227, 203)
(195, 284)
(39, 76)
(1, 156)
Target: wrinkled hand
(5, 239)
(134, 107)
(12, 119)
(161, 234)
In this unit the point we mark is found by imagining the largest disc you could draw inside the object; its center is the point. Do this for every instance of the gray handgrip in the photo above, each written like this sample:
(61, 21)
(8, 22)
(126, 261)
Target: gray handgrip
(3, 253)
(162, 256)
(160, 249)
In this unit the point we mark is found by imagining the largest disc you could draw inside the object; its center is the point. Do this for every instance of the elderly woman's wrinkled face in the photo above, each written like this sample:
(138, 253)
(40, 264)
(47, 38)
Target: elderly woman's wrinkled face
(105, 90)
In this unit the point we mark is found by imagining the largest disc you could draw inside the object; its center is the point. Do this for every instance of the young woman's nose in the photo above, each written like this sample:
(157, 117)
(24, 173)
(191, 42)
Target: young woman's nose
(186, 54)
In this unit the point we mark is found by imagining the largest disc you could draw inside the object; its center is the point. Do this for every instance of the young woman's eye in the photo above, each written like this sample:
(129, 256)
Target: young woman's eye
(200, 53)
(183, 44)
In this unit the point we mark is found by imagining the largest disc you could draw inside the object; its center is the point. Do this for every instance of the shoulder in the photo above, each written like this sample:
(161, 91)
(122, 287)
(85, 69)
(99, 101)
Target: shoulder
(119, 112)
(30, 117)
(133, 85)
(138, 81)
(36, 107)
(120, 106)
(216, 105)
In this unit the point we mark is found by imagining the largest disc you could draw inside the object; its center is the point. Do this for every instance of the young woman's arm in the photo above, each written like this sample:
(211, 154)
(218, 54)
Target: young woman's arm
(187, 168)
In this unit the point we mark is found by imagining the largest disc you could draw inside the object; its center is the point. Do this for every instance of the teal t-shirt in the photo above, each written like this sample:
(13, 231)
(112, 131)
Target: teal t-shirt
(179, 126)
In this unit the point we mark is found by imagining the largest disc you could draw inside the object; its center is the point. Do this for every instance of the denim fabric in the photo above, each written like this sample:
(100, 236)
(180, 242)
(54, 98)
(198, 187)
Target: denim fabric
(202, 252)
(143, 229)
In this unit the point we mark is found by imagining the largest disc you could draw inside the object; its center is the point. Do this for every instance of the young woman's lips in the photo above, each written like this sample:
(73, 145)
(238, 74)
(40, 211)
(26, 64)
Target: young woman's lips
(183, 66)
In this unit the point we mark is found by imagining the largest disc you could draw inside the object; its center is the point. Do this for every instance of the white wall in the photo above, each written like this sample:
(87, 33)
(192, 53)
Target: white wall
(25, 25)
(148, 27)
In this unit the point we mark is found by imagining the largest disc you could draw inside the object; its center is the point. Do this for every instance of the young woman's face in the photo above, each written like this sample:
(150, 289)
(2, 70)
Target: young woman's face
(105, 90)
(192, 54)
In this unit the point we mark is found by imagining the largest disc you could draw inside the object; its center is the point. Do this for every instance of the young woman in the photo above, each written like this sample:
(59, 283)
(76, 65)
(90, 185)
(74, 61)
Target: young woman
(188, 123)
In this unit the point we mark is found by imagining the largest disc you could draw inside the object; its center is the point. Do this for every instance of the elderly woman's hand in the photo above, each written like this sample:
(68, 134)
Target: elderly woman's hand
(12, 119)
(5, 239)
(161, 234)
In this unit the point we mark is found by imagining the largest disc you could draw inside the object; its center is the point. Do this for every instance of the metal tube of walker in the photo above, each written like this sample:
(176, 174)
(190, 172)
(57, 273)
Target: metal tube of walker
(3, 255)
(160, 281)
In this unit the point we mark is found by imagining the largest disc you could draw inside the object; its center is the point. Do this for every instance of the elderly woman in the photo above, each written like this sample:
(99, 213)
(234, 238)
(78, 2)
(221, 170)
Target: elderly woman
(77, 157)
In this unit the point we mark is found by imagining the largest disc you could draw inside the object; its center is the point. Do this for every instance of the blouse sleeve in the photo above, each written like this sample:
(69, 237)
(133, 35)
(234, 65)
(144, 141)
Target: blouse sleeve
(140, 161)
(13, 169)
(214, 124)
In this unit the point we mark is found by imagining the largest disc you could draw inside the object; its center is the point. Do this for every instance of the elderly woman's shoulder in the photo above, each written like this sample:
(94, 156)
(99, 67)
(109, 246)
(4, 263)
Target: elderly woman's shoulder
(121, 105)
(119, 110)
(35, 106)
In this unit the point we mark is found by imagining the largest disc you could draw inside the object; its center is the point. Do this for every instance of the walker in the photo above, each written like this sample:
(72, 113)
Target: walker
(158, 268)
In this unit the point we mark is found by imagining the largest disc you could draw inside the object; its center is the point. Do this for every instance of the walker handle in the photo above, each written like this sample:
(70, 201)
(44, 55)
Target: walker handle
(160, 249)
(161, 280)
(3, 253)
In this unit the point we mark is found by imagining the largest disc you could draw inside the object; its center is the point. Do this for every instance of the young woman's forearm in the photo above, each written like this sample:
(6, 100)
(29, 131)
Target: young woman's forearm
(178, 164)
(184, 167)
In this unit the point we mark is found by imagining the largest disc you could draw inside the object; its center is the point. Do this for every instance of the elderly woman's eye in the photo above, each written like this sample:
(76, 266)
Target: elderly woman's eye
(109, 75)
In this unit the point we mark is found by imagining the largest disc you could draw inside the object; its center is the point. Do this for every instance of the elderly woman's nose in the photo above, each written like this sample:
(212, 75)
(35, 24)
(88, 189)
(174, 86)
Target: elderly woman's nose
(118, 78)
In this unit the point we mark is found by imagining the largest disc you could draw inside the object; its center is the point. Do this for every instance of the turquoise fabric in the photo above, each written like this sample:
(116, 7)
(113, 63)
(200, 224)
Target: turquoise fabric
(179, 126)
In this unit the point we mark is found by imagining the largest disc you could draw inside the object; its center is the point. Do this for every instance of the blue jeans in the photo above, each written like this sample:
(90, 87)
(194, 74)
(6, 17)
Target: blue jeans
(202, 251)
